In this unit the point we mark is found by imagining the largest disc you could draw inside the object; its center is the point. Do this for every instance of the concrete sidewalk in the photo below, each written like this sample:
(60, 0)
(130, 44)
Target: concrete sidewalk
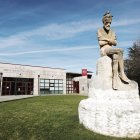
(14, 97)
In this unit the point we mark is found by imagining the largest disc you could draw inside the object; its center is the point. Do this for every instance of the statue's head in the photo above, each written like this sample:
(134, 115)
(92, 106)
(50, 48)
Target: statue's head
(107, 19)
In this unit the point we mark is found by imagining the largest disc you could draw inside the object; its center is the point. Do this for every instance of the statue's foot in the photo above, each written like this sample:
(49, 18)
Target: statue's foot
(115, 84)
(124, 78)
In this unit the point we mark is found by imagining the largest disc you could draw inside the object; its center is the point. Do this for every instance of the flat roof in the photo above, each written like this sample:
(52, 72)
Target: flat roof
(31, 66)
(78, 74)
(74, 73)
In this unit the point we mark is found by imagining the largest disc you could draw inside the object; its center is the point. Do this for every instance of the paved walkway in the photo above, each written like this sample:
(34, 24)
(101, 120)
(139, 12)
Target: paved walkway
(14, 97)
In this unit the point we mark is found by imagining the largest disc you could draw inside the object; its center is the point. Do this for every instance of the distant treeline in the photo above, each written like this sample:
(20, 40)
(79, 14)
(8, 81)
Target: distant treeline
(132, 63)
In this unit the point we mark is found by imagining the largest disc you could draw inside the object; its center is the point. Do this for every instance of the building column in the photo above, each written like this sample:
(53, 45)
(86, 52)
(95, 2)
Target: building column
(1, 79)
(36, 85)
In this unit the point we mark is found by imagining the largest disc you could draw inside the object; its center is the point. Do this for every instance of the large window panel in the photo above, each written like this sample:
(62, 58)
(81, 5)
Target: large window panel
(69, 85)
(54, 86)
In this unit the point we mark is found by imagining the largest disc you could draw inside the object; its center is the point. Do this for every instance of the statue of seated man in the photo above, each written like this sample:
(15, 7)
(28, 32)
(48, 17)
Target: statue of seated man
(107, 39)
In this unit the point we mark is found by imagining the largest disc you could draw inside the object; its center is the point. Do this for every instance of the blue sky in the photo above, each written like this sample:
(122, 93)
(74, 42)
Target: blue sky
(62, 33)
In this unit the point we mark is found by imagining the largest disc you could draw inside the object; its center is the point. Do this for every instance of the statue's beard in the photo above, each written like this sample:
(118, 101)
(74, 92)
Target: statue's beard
(107, 28)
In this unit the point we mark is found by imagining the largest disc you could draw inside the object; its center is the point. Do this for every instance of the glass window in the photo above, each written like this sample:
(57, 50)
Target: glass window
(60, 88)
(46, 87)
(60, 81)
(56, 84)
(56, 88)
(69, 85)
(17, 86)
(51, 86)
(56, 81)
(60, 91)
(46, 81)
(51, 81)
(47, 84)
(41, 84)
(60, 85)
(56, 92)
(41, 80)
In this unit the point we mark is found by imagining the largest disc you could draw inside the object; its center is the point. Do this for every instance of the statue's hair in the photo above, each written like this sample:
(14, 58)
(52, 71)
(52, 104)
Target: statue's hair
(107, 17)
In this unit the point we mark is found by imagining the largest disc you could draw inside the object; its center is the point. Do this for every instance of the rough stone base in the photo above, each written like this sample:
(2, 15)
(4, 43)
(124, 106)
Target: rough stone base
(117, 115)
(113, 95)
(107, 111)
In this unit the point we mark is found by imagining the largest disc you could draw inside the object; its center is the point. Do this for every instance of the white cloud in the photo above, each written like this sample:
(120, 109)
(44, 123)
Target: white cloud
(11, 41)
(125, 22)
(62, 31)
(50, 32)
(58, 32)
(49, 50)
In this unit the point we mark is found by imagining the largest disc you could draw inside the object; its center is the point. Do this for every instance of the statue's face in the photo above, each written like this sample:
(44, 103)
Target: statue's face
(107, 25)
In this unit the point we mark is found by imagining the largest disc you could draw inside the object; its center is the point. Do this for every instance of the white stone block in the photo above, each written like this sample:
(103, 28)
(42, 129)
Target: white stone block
(112, 118)
(111, 112)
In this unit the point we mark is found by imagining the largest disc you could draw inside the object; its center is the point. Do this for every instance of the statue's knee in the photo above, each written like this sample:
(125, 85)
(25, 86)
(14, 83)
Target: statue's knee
(115, 57)
(121, 51)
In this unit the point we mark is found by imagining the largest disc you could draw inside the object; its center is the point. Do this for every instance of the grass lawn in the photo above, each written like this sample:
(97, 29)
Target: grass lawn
(44, 118)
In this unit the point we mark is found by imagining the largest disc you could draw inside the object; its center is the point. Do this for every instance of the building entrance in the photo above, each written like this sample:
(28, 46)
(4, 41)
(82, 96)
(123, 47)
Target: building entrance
(17, 86)
(76, 86)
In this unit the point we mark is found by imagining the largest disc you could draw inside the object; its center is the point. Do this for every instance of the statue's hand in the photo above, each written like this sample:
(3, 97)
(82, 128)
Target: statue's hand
(111, 42)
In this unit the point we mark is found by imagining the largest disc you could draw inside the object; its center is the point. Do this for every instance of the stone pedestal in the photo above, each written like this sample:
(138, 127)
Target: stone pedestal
(111, 112)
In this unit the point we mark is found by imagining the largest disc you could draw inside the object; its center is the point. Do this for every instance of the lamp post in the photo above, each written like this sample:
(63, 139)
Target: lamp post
(1, 83)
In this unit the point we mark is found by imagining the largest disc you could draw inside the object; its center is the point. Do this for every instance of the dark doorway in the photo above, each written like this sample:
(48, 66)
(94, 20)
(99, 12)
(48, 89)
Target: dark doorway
(76, 86)
(13, 88)
(17, 86)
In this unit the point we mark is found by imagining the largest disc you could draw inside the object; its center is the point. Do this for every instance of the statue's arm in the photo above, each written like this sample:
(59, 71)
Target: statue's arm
(106, 41)
(113, 39)
(113, 42)
(101, 39)
(103, 42)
